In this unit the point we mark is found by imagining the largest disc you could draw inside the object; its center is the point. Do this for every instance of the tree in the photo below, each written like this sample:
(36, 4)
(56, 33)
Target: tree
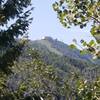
(14, 22)
(31, 78)
(80, 13)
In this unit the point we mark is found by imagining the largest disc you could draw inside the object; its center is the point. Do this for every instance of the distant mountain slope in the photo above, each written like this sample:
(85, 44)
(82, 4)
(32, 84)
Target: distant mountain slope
(58, 54)
(61, 48)
(50, 47)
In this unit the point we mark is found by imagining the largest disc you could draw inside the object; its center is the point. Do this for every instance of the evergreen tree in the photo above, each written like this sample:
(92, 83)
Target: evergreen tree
(14, 22)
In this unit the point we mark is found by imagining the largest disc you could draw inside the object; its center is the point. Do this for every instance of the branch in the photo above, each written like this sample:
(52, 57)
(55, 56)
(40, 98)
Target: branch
(95, 19)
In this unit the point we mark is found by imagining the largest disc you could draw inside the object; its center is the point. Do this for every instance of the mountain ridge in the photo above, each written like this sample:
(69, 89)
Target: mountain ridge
(61, 48)
(61, 56)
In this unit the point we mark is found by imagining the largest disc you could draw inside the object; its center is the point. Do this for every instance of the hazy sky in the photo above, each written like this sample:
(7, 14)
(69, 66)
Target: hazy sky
(45, 23)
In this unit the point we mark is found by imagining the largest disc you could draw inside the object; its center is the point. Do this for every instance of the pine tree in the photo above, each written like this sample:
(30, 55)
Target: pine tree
(14, 22)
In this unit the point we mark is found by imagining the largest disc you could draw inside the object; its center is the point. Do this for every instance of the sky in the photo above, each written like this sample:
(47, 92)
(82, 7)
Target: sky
(46, 23)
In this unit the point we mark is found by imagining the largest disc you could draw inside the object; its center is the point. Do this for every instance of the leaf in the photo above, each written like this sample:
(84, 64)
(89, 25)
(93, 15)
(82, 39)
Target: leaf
(82, 52)
(83, 43)
(93, 30)
(92, 43)
(55, 6)
(72, 46)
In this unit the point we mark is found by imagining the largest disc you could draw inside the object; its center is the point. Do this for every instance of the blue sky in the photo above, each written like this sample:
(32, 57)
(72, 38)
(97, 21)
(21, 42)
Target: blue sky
(45, 23)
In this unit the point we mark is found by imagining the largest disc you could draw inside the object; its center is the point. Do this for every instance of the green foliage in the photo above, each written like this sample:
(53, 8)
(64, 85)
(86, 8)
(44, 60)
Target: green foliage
(80, 13)
(72, 46)
(14, 22)
(31, 78)
(92, 47)
(88, 90)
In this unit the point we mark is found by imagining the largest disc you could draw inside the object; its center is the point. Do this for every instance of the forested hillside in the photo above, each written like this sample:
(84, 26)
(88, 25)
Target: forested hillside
(60, 55)
(40, 73)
